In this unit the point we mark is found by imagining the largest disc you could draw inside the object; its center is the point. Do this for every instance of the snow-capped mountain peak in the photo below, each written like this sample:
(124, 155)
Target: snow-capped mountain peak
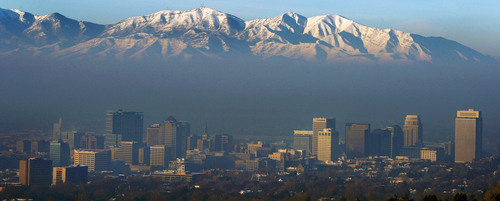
(56, 28)
(209, 32)
(14, 14)
(321, 26)
(205, 19)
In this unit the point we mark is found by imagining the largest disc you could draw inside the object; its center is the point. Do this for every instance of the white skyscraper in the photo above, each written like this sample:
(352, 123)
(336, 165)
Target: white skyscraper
(328, 145)
(468, 136)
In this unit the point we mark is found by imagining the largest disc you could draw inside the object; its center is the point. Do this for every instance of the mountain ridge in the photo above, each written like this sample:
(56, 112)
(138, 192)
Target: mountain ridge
(206, 32)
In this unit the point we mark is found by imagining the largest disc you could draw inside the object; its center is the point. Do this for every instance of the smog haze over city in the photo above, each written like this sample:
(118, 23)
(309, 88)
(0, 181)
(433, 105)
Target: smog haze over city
(251, 69)
(253, 96)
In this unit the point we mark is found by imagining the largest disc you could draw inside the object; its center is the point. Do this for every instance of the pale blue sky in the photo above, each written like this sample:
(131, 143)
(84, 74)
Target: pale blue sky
(472, 23)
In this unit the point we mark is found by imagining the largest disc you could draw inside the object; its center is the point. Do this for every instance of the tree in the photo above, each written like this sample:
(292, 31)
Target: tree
(430, 198)
(493, 194)
(460, 197)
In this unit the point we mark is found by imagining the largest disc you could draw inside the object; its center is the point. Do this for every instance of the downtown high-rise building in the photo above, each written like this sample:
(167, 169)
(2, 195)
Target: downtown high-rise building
(75, 139)
(378, 143)
(184, 129)
(35, 171)
(302, 140)
(158, 156)
(128, 125)
(328, 145)
(23, 146)
(59, 153)
(144, 155)
(355, 139)
(73, 174)
(174, 135)
(112, 140)
(128, 152)
(468, 136)
(412, 130)
(56, 131)
(397, 139)
(318, 125)
(38, 146)
(170, 136)
(91, 142)
(192, 141)
(153, 135)
(223, 142)
(96, 160)
(204, 143)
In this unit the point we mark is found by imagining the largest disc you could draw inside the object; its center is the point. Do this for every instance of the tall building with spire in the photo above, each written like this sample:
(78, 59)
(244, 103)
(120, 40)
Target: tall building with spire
(318, 125)
(468, 136)
(412, 131)
(204, 143)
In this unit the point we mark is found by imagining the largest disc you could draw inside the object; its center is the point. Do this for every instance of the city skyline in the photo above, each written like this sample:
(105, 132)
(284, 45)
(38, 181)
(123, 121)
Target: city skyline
(118, 106)
(376, 153)
(162, 134)
(468, 130)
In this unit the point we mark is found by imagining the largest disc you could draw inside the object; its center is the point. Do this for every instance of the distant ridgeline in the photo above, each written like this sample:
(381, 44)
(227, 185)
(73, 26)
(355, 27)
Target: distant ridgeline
(208, 33)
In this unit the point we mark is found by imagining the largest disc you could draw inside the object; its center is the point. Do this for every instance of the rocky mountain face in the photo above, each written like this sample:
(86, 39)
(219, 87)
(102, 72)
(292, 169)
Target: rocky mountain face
(205, 32)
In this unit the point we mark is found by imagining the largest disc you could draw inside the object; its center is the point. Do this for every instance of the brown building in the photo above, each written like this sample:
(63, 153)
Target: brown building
(35, 171)
(75, 174)
(355, 139)
(153, 135)
(128, 151)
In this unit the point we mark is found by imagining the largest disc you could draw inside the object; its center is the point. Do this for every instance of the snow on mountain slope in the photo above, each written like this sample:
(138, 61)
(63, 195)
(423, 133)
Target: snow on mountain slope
(211, 33)
(356, 39)
(46, 29)
(55, 27)
(168, 22)
(279, 28)
(329, 37)
(13, 22)
(16, 16)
